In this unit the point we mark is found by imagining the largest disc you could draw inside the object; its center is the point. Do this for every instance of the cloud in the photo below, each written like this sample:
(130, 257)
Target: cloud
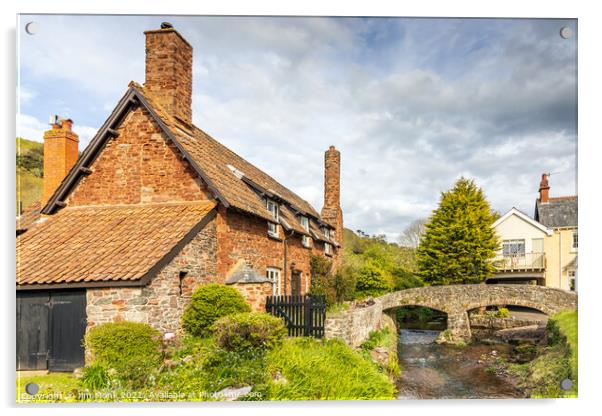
(412, 104)
(29, 127)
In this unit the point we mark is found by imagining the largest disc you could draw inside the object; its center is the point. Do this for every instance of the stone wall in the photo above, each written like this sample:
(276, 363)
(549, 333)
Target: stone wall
(163, 300)
(354, 325)
(254, 293)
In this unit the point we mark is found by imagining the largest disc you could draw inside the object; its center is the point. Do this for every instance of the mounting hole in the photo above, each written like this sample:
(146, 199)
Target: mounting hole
(566, 384)
(32, 389)
(566, 32)
(32, 28)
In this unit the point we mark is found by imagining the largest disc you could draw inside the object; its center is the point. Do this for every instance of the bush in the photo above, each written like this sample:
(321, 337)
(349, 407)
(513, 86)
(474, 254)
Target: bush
(95, 377)
(244, 331)
(208, 304)
(502, 313)
(133, 349)
(372, 280)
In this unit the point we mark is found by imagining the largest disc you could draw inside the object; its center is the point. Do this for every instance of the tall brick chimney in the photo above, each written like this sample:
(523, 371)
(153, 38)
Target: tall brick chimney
(332, 211)
(60, 154)
(544, 189)
(169, 71)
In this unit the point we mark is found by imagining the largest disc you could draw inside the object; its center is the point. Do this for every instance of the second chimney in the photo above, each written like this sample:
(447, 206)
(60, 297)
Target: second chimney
(60, 154)
(169, 71)
(544, 189)
(332, 211)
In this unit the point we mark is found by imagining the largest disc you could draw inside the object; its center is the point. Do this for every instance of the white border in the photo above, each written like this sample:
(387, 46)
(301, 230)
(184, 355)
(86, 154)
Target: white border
(590, 33)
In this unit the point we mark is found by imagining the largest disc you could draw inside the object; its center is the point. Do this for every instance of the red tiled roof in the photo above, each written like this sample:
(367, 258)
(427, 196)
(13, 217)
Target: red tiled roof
(105, 243)
(217, 161)
(29, 216)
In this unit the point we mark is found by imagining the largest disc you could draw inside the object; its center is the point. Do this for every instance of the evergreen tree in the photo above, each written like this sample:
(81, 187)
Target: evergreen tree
(459, 242)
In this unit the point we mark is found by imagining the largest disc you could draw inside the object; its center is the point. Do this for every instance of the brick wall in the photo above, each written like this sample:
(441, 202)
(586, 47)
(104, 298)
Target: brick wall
(60, 154)
(163, 300)
(242, 236)
(141, 165)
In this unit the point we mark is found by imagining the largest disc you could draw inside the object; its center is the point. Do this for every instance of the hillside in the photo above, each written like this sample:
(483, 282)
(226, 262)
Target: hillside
(30, 166)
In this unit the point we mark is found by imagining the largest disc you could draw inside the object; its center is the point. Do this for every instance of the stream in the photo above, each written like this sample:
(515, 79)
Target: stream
(433, 371)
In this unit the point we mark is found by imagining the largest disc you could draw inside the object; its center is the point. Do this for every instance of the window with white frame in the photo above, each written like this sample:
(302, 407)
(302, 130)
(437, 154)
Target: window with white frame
(575, 240)
(513, 247)
(273, 209)
(326, 231)
(304, 221)
(273, 274)
(328, 249)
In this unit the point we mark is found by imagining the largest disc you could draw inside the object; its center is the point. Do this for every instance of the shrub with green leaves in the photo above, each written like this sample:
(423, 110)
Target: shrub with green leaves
(251, 330)
(95, 377)
(133, 349)
(373, 280)
(208, 304)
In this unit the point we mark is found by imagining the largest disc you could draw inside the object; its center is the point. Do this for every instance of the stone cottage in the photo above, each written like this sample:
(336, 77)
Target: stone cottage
(151, 209)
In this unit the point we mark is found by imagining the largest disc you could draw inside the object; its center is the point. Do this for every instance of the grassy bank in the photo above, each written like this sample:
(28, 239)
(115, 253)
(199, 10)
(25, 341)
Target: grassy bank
(383, 340)
(299, 369)
(557, 361)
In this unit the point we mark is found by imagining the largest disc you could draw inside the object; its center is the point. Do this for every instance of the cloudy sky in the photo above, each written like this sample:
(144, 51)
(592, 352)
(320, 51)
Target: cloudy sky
(412, 104)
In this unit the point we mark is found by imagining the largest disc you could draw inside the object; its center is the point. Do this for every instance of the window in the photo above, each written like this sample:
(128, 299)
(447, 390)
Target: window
(272, 207)
(326, 232)
(306, 241)
(575, 240)
(572, 280)
(328, 249)
(273, 274)
(181, 278)
(304, 221)
(513, 247)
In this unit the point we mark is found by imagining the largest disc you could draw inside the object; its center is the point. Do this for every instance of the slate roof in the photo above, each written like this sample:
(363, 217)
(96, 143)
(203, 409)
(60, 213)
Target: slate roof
(558, 212)
(242, 272)
(234, 181)
(123, 243)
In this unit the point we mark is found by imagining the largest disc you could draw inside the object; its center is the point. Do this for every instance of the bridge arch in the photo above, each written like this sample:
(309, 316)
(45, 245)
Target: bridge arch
(455, 301)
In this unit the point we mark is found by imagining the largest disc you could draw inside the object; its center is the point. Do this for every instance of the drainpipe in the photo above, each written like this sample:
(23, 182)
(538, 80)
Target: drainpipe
(560, 258)
(285, 257)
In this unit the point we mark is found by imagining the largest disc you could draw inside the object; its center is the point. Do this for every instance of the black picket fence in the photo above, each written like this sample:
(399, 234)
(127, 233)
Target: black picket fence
(303, 315)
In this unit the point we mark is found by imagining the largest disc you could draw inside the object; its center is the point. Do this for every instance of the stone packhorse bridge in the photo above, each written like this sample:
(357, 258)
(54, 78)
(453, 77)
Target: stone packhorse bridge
(354, 325)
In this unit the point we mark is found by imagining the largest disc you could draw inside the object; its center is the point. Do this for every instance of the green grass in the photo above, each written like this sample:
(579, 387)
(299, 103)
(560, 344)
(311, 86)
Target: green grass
(53, 387)
(385, 338)
(325, 370)
(299, 369)
(30, 163)
(541, 377)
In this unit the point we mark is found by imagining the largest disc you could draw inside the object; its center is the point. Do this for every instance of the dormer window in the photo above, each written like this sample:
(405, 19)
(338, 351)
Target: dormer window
(328, 249)
(326, 232)
(306, 240)
(273, 209)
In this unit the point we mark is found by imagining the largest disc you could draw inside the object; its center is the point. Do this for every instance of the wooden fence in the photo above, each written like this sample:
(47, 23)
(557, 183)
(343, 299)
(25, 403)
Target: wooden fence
(303, 315)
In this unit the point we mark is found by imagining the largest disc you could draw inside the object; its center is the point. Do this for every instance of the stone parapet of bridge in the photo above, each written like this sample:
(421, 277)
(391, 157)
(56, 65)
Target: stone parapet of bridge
(354, 325)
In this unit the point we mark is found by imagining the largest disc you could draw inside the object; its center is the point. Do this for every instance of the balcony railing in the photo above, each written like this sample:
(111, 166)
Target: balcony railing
(520, 262)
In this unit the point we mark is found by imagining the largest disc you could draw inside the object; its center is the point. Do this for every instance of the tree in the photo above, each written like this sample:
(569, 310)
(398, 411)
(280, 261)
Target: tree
(459, 242)
(413, 233)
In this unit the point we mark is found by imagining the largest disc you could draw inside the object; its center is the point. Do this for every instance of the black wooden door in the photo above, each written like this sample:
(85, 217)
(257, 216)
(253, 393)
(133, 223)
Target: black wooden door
(296, 283)
(32, 330)
(67, 329)
(50, 329)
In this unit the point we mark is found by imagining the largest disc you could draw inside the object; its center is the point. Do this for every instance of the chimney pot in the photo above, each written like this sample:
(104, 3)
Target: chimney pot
(544, 189)
(166, 25)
